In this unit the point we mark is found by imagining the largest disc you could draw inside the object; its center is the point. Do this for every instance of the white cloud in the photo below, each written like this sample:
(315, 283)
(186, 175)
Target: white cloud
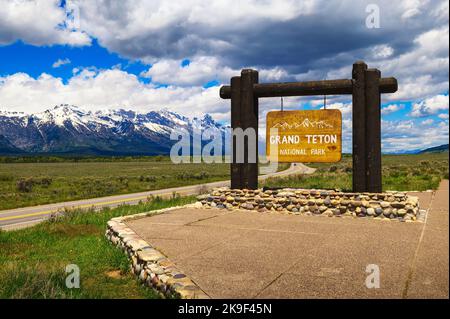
(201, 70)
(198, 72)
(443, 116)
(430, 106)
(60, 62)
(391, 108)
(411, 135)
(427, 122)
(38, 22)
(93, 89)
(382, 51)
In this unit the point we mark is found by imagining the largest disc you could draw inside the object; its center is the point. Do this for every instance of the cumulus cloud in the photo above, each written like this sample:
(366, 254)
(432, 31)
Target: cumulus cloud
(39, 22)
(391, 108)
(60, 62)
(202, 70)
(410, 135)
(96, 89)
(430, 106)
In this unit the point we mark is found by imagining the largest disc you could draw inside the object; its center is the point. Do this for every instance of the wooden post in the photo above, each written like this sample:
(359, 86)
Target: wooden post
(249, 119)
(373, 131)
(236, 168)
(359, 126)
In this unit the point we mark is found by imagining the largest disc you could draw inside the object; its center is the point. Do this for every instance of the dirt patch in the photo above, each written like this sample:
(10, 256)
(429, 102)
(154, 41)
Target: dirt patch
(114, 274)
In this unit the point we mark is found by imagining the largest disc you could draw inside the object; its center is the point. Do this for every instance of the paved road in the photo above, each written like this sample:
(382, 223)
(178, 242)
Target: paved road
(27, 216)
(246, 254)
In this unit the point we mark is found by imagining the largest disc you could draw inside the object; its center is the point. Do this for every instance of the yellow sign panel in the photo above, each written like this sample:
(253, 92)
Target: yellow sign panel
(304, 136)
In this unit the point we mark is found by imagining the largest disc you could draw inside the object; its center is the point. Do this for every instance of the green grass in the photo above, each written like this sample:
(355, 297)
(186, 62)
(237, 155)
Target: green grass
(400, 172)
(28, 184)
(33, 260)
(33, 181)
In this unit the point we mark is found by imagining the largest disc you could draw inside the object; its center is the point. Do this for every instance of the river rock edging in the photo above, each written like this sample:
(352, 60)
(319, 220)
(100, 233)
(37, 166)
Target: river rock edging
(388, 205)
(151, 267)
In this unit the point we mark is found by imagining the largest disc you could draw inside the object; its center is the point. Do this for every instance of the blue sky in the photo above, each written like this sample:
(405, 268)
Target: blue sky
(160, 54)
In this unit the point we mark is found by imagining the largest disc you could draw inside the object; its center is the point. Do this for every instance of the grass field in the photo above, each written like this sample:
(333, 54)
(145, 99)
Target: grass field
(33, 260)
(400, 172)
(50, 180)
(27, 184)
(42, 180)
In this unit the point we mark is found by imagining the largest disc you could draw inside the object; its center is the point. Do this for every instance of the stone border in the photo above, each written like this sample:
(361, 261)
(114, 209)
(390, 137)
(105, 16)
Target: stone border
(151, 266)
(387, 206)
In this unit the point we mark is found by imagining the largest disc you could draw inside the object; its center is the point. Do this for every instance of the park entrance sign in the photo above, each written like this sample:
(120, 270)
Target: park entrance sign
(304, 136)
(365, 86)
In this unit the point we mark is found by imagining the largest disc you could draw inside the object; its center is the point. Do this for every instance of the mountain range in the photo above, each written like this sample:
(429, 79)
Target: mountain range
(67, 129)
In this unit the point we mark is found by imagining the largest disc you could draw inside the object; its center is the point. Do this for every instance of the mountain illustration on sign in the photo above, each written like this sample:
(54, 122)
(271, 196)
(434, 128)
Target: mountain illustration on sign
(307, 123)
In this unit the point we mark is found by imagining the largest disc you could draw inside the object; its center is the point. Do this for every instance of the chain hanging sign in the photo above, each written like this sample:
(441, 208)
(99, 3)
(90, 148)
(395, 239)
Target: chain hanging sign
(304, 136)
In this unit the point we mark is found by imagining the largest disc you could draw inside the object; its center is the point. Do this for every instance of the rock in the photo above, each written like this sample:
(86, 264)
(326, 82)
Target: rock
(286, 194)
(143, 275)
(328, 213)
(378, 211)
(290, 207)
(384, 204)
(323, 208)
(230, 199)
(345, 202)
(397, 205)
(374, 204)
(387, 212)
(202, 197)
(401, 212)
(213, 204)
(407, 218)
(312, 208)
(370, 211)
(356, 203)
(295, 210)
(149, 255)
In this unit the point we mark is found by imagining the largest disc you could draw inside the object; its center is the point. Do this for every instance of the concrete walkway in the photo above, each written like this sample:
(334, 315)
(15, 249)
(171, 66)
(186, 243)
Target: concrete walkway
(246, 254)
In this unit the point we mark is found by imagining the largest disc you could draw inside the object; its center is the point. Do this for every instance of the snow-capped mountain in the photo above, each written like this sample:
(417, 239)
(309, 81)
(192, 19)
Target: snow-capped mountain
(69, 129)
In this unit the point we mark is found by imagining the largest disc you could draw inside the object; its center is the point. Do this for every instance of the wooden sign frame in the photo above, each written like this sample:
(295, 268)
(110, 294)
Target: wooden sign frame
(365, 87)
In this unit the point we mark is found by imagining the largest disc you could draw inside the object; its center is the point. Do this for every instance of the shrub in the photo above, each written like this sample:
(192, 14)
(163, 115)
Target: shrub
(150, 179)
(45, 181)
(25, 185)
